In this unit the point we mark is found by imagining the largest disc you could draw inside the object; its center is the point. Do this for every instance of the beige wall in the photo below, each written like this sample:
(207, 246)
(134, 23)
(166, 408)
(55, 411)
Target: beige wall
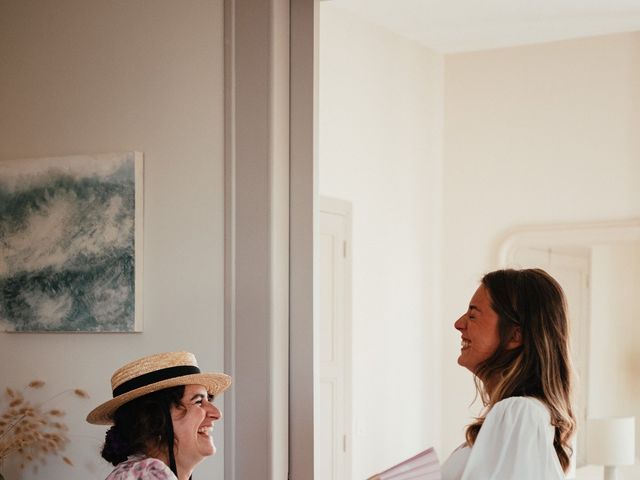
(615, 274)
(380, 136)
(538, 134)
(90, 77)
(614, 370)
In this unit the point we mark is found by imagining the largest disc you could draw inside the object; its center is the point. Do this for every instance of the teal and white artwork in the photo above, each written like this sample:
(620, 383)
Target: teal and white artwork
(70, 244)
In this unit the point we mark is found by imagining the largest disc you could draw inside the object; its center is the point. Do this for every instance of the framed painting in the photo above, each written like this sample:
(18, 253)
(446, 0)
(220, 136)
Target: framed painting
(71, 243)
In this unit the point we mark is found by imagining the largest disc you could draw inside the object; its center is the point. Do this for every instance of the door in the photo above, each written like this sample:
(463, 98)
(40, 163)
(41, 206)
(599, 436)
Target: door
(334, 400)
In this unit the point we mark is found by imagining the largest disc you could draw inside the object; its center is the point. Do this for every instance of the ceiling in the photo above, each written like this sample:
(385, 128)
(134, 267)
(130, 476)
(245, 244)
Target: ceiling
(448, 26)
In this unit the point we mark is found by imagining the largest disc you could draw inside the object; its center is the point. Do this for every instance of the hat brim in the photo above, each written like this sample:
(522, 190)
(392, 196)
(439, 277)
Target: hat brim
(215, 383)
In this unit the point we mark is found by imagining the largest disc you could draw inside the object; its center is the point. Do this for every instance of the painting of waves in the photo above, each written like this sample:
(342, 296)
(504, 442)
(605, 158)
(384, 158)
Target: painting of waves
(70, 244)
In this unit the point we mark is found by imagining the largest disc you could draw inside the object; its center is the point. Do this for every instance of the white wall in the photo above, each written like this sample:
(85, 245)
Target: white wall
(614, 372)
(537, 134)
(615, 282)
(614, 359)
(88, 77)
(380, 134)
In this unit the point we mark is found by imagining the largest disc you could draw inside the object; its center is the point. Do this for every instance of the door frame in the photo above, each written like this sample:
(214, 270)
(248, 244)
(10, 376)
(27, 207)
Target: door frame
(270, 225)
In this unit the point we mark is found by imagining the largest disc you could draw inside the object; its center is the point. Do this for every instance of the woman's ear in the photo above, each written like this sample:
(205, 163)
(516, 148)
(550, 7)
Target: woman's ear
(516, 339)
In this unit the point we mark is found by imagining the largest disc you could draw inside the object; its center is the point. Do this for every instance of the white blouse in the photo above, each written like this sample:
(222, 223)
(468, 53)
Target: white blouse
(514, 443)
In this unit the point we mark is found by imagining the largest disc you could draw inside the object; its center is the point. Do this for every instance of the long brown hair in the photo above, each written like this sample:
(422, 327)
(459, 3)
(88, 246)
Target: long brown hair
(540, 367)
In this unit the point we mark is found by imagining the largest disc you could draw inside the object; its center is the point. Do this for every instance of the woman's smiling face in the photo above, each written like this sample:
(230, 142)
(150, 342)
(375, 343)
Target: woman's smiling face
(479, 329)
(193, 425)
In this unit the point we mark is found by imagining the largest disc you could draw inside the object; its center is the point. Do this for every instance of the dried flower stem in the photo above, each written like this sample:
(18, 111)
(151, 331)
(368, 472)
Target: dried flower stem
(30, 431)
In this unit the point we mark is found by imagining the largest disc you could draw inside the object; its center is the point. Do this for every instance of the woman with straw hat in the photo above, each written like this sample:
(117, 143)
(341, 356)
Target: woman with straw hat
(162, 416)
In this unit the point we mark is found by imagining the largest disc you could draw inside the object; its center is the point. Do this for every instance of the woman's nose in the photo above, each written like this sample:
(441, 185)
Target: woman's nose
(214, 412)
(460, 323)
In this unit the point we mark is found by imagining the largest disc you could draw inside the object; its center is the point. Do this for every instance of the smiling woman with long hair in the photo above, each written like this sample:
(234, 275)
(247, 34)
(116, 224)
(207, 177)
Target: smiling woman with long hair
(515, 341)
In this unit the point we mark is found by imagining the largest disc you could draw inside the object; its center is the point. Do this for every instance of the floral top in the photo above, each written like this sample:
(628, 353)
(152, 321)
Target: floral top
(141, 468)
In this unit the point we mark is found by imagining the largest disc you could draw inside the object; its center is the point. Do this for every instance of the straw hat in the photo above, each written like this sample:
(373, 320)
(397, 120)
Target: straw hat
(153, 373)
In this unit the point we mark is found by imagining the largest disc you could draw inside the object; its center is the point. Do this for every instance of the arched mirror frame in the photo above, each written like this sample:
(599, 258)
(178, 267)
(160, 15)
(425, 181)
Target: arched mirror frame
(565, 238)
(586, 234)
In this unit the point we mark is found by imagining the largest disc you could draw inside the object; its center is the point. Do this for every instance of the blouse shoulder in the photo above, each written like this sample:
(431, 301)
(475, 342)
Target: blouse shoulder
(519, 409)
(142, 468)
(515, 441)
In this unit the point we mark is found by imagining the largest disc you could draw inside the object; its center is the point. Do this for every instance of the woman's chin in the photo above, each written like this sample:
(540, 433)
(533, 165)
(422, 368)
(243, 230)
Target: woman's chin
(462, 360)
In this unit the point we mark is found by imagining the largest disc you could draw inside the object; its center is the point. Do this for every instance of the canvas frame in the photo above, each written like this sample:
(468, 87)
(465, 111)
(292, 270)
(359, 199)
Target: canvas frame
(88, 278)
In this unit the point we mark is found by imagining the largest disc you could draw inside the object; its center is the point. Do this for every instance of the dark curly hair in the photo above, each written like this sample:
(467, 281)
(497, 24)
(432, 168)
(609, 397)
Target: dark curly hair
(143, 426)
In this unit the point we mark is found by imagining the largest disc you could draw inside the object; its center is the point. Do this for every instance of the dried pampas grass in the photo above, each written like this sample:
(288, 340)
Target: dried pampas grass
(30, 431)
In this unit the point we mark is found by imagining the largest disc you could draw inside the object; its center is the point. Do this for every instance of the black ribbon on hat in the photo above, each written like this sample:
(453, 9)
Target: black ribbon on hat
(155, 377)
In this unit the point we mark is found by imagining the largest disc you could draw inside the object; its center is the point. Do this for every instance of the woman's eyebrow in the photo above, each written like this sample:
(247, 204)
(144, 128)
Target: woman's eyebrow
(474, 307)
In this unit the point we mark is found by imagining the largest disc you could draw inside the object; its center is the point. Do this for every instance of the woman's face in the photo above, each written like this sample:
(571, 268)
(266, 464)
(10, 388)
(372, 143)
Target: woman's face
(479, 329)
(193, 425)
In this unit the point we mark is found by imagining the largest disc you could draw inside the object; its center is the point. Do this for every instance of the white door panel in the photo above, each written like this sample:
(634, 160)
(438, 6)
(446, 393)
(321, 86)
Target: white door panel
(335, 349)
